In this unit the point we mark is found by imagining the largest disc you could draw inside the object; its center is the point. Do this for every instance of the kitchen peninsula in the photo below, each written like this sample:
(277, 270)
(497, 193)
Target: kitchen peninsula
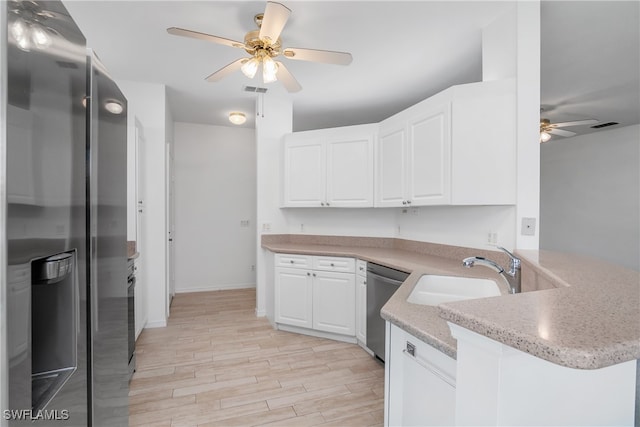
(575, 327)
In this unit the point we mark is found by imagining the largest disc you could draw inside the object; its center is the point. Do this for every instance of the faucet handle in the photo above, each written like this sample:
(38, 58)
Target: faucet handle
(515, 261)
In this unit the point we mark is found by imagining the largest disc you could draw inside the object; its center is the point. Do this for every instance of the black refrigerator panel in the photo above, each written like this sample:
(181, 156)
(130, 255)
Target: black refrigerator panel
(108, 254)
(46, 216)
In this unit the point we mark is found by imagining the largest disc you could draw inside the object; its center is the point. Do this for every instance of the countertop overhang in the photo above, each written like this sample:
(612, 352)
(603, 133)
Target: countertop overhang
(590, 320)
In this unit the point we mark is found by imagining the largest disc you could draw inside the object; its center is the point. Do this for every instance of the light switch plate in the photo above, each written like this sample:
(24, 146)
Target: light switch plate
(528, 227)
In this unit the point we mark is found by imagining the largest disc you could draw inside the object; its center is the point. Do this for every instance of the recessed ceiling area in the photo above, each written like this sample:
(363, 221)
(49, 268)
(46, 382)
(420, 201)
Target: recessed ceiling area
(402, 52)
(590, 63)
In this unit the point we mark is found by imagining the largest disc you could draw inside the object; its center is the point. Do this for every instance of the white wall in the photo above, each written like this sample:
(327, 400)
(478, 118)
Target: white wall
(458, 225)
(270, 128)
(367, 222)
(147, 102)
(590, 195)
(215, 189)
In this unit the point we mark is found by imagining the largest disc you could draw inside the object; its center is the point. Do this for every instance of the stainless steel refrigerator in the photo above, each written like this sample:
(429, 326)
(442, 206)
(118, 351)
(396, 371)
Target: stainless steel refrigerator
(65, 225)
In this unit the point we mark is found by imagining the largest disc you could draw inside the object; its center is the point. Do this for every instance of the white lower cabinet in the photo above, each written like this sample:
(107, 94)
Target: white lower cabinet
(334, 302)
(421, 389)
(316, 293)
(294, 296)
(361, 302)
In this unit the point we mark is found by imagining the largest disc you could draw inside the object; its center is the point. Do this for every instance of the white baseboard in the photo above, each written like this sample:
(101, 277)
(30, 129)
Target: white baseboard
(319, 334)
(156, 324)
(226, 287)
(261, 313)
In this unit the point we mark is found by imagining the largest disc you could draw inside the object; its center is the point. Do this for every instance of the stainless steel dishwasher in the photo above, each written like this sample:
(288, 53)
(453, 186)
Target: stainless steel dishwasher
(382, 282)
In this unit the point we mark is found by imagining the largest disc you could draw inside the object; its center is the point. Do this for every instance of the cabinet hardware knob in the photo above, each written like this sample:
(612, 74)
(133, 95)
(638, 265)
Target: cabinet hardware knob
(332, 265)
(408, 202)
(291, 261)
(308, 274)
(327, 203)
(314, 274)
(404, 202)
(321, 203)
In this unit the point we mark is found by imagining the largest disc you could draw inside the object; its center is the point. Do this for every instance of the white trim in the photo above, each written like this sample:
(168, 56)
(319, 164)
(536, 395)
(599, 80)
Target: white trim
(224, 287)
(261, 313)
(319, 334)
(157, 324)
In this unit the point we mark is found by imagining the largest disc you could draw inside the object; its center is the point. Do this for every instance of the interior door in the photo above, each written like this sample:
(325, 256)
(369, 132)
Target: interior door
(170, 270)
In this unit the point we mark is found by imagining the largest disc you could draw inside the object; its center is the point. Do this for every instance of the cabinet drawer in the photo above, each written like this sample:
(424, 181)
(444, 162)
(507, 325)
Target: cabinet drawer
(294, 261)
(345, 265)
(361, 267)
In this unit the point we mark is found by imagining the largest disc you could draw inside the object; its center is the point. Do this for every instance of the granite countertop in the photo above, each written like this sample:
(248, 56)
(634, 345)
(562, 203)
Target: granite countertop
(588, 319)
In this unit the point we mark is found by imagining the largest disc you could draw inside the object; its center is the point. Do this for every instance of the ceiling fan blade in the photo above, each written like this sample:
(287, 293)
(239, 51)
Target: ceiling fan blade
(315, 55)
(226, 70)
(575, 123)
(561, 132)
(288, 81)
(202, 36)
(273, 21)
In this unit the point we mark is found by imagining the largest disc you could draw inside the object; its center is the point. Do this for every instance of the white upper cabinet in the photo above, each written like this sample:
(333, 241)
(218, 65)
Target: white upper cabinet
(305, 172)
(414, 157)
(329, 167)
(457, 147)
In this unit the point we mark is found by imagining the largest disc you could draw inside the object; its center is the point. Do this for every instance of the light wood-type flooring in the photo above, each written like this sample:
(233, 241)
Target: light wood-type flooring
(217, 364)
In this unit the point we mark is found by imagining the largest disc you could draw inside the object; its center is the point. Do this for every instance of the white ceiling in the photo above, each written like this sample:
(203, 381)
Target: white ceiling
(402, 53)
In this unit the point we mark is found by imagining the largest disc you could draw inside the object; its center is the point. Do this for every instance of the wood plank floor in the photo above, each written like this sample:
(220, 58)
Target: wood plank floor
(217, 364)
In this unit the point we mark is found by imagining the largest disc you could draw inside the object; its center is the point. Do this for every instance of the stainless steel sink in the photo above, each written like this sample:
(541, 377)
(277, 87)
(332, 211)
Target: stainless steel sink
(433, 289)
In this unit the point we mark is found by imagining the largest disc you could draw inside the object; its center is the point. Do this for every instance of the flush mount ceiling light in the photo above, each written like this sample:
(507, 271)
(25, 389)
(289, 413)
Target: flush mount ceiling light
(264, 44)
(113, 107)
(237, 118)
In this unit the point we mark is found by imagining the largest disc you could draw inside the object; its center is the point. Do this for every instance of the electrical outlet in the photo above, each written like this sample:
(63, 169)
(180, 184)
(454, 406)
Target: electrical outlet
(528, 227)
(266, 226)
(492, 238)
(253, 268)
(244, 223)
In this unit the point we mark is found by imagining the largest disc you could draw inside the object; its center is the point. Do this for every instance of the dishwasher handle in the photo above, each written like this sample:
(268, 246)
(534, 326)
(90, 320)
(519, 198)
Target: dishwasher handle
(385, 279)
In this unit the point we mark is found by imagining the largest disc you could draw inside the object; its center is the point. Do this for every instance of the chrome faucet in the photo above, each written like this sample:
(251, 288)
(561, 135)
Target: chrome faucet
(512, 276)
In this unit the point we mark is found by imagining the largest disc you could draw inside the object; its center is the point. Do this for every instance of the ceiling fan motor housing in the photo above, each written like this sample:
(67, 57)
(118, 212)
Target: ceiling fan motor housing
(254, 45)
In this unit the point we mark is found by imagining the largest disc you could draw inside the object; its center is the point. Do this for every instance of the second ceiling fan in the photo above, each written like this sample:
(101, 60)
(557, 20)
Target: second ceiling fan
(547, 128)
(264, 44)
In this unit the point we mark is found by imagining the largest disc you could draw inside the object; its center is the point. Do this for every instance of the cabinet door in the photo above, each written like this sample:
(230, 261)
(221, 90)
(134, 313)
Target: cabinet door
(304, 173)
(421, 386)
(429, 154)
(350, 172)
(334, 302)
(392, 158)
(361, 309)
(293, 297)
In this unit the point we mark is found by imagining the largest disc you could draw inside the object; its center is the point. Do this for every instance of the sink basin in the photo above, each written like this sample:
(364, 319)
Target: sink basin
(434, 290)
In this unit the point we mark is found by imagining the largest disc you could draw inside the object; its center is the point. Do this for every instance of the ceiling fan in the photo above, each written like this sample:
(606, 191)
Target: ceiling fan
(547, 128)
(264, 44)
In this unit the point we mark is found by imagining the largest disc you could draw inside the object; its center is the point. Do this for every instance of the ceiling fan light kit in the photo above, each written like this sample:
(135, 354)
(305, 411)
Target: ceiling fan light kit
(264, 44)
